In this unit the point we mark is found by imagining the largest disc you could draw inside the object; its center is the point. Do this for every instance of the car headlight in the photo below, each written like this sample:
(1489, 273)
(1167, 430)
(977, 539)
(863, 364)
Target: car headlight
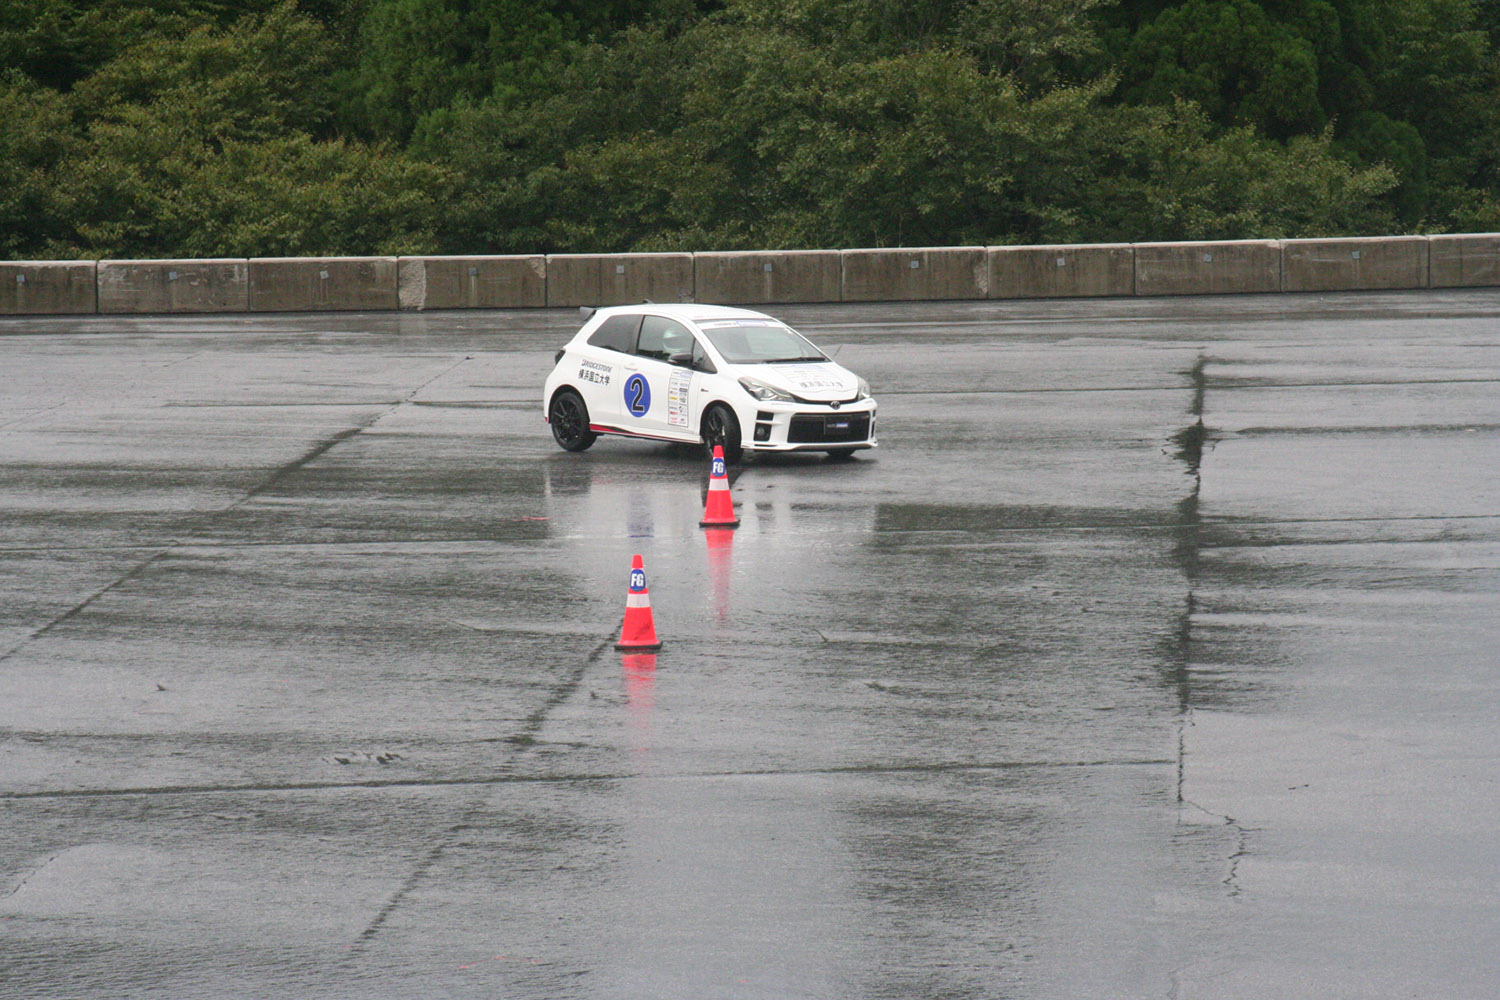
(764, 392)
(864, 390)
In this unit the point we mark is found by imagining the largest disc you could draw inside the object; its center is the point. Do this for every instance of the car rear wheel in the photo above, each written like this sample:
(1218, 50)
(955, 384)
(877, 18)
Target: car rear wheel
(722, 428)
(569, 418)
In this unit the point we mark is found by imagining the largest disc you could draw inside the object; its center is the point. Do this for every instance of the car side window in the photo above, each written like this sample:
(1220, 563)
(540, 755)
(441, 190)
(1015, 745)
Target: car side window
(616, 333)
(700, 358)
(661, 338)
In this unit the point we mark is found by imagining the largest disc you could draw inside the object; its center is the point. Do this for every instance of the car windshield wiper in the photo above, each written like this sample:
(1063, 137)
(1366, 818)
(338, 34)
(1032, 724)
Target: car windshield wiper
(788, 361)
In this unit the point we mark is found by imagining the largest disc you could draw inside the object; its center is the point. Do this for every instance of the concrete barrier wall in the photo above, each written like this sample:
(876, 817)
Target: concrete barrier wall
(763, 277)
(314, 284)
(749, 277)
(618, 279)
(174, 286)
(1464, 261)
(1355, 264)
(1234, 267)
(1031, 272)
(48, 287)
(915, 274)
(516, 282)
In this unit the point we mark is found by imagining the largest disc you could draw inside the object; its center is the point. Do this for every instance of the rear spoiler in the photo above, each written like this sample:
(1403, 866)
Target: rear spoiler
(587, 312)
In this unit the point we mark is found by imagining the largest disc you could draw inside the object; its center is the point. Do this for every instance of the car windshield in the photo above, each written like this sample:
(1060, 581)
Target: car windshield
(759, 342)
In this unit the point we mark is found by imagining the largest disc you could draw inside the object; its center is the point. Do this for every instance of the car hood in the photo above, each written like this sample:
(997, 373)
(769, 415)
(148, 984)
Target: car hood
(817, 381)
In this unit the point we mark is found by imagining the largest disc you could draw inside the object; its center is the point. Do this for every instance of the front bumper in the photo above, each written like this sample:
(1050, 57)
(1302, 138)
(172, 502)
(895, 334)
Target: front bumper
(811, 427)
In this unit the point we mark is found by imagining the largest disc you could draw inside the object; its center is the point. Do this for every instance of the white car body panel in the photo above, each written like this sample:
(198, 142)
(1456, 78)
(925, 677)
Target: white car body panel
(651, 397)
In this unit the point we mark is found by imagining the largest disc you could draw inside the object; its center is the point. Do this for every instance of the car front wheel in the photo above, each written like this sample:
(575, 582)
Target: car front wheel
(569, 418)
(722, 428)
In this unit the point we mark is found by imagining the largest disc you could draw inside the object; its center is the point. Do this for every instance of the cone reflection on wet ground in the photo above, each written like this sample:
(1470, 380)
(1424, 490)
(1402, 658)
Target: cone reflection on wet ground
(639, 673)
(720, 545)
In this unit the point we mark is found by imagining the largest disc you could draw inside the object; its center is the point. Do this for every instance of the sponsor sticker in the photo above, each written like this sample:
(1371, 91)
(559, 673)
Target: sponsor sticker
(637, 581)
(593, 371)
(724, 324)
(677, 398)
(811, 378)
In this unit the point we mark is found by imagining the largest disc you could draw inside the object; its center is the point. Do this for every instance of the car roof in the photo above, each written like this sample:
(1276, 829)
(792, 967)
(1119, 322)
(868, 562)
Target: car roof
(690, 311)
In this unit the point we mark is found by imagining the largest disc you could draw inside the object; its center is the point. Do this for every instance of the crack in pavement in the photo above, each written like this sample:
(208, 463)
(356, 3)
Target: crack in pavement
(83, 605)
(523, 740)
(511, 778)
(1242, 844)
(277, 475)
(1190, 443)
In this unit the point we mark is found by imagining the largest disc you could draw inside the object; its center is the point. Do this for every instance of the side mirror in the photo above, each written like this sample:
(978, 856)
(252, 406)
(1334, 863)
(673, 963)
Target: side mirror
(684, 360)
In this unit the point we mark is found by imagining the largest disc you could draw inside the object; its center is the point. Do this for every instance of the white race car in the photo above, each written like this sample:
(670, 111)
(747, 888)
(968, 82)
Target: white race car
(710, 374)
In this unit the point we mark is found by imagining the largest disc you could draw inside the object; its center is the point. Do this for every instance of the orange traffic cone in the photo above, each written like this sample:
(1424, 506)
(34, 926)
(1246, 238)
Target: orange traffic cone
(639, 631)
(718, 512)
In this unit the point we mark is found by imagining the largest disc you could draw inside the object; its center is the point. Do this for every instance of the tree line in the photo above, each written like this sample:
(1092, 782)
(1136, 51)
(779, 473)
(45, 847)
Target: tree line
(204, 128)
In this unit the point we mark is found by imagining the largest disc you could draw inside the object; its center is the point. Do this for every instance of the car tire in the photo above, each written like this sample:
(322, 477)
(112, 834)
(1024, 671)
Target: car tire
(721, 427)
(840, 454)
(569, 417)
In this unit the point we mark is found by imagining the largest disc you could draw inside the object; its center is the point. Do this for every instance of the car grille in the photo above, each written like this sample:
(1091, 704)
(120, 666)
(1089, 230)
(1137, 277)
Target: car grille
(816, 428)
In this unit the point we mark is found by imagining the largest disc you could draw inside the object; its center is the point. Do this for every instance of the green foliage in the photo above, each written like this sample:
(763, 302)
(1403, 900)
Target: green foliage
(1231, 58)
(1025, 38)
(30, 143)
(298, 197)
(745, 135)
(415, 57)
(58, 42)
(258, 79)
(199, 140)
(1184, 182)
(1412, 84)
(271, 127)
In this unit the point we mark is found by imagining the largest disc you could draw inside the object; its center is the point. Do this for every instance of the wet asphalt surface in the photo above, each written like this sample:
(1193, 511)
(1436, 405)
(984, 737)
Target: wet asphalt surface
(1155, 653)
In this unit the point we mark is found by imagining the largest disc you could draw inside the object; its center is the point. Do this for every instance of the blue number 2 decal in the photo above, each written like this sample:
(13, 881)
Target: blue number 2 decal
(637, 395)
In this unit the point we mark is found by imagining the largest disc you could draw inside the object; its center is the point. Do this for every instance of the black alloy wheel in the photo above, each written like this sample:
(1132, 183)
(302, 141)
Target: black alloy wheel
(722, 428)
(569, 418)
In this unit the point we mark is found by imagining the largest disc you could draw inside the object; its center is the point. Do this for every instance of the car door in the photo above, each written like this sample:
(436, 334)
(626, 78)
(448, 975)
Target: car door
(603, 368)
(702, 384)
(656, 394)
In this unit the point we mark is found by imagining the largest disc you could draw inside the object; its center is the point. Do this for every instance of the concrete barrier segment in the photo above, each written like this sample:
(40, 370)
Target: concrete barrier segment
(762, 277)
(48, 287)
(1348, 265)
(208, 285)
(1467, 260)
(318, 284)
(922, 273)
(500, 282)
(1067, 271)
(618, 279)
(1232, 267)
